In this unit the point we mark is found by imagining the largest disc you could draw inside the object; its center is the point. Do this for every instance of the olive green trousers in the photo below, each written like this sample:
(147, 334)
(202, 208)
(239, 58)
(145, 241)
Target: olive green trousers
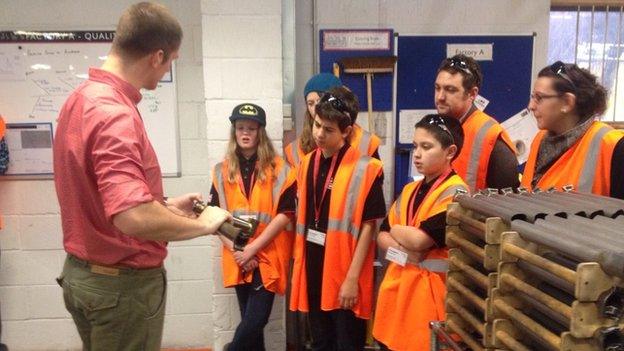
(115, 309)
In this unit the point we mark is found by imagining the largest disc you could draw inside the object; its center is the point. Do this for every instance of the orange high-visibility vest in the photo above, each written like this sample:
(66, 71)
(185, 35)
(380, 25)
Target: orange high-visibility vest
(263, 203)
(480, 134)
(354, 178)
(360, 139)
(412, 296)
(364, 141)
(293, 153)
(586, 165)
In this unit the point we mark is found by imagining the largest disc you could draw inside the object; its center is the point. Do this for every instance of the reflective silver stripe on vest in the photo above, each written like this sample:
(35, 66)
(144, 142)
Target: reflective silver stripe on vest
(435, 265)
(260, 216)
(475, 153)
(294, 151)
(450, 191)
(300, 229)
(397, 207)
(588, 173)
(345, 224)
(366, 137)
(220, 187)
(279, 183)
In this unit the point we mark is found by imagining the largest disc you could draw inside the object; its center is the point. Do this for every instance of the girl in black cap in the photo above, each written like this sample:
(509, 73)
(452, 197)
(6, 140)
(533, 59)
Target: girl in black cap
(254, 183)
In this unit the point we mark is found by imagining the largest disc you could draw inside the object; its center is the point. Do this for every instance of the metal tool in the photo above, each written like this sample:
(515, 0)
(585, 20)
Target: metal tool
(239, 231)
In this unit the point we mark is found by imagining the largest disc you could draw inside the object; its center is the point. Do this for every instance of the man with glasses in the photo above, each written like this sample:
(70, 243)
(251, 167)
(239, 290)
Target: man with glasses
(488, 158)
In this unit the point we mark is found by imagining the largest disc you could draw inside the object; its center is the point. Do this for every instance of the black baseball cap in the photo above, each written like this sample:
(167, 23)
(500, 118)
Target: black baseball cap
(249, 111)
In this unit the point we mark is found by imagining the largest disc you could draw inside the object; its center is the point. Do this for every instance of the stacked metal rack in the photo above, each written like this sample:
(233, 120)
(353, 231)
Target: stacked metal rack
(536, 271)
(474, 251)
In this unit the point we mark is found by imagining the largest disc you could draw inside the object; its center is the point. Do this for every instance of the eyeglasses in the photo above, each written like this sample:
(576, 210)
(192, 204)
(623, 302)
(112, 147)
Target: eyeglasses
(459, 64)
(539, 97)
(335, 102)
(439, 122)
(559, 68)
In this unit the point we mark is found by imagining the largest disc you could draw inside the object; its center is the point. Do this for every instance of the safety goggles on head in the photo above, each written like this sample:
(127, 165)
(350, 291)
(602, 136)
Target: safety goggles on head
(559, 69)
(335, 102)
(459, 64)
(439, 122)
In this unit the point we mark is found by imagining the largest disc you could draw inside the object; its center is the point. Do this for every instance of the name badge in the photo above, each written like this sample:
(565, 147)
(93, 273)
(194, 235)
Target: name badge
(316, 237)
(396, 256)
(247, 217)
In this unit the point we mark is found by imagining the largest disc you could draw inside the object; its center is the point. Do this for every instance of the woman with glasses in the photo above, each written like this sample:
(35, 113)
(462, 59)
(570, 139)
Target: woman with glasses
(360, 139)
(573, 148)
(413, 236)
(340, 197)
(253, 182)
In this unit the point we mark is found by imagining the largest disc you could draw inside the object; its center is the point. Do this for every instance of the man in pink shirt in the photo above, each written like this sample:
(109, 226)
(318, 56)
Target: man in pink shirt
(116, 222)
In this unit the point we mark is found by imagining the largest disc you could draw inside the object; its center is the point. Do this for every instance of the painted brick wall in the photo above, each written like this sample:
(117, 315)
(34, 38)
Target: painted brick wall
(34, 317)
(242, 60)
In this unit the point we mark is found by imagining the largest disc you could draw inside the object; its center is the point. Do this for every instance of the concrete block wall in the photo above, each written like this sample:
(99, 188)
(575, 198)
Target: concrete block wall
(33, 314)
(242, 60)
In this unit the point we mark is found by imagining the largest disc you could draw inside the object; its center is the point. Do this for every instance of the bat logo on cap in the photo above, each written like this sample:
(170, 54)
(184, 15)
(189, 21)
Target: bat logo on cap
(248, 110)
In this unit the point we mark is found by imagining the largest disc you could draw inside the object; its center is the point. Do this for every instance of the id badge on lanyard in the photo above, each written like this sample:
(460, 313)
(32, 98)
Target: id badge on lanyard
(316, 237)
(396, 256)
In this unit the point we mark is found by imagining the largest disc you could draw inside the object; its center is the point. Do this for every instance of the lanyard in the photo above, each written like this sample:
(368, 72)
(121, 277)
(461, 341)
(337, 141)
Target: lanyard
(328, 179)
(411, 216)
(241, 185)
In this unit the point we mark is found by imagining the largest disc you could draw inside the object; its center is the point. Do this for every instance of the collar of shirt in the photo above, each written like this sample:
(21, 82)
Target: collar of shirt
(468, 113)
(102, 76)
(247, 166)
(341, 152)
(425, 186)
(242, 160)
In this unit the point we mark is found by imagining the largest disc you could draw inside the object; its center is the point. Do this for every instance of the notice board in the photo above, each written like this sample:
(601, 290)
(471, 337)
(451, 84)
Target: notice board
(505, 60)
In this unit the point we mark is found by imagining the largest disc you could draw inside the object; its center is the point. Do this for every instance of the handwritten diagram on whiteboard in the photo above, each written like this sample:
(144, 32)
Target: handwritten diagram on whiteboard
(39, 70)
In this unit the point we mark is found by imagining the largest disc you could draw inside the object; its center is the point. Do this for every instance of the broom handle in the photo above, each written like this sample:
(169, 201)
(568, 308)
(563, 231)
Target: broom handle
(369, 97)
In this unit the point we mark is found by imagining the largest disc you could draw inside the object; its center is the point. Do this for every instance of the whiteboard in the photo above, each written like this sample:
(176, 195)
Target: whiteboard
(38, 71)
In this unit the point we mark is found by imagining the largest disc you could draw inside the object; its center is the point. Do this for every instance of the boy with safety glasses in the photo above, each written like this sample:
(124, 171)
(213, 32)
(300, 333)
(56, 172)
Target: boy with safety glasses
(340, 198)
